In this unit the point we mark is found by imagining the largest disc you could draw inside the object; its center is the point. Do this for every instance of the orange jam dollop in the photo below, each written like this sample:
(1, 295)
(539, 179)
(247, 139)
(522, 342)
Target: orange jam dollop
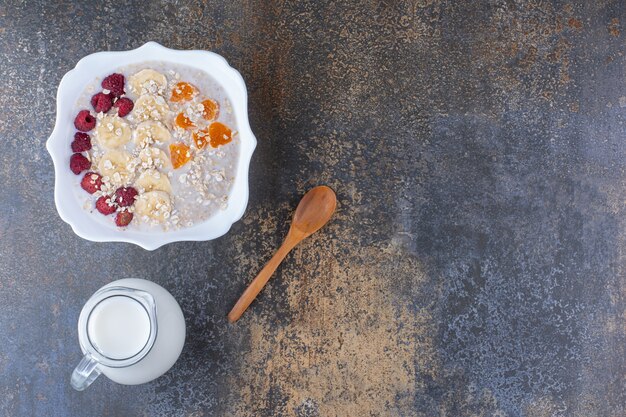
(184, 121)
(210, 109)
(179, 154)
(219, 134)
(183, 91)
(201, 138)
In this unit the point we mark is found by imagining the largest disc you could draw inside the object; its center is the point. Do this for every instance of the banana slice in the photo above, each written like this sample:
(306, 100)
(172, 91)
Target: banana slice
(150, 107)
(113, 167)
(151, 132)
(154, 157)
(154, 204)
(112, 132)
(147, 81)
(153, 180)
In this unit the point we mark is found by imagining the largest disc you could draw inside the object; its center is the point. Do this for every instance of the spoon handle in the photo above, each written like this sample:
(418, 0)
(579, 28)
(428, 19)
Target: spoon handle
(259, 282)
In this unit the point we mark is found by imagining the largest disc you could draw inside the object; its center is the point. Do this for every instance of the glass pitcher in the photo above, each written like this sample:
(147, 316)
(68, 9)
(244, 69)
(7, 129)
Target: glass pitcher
(131, 330)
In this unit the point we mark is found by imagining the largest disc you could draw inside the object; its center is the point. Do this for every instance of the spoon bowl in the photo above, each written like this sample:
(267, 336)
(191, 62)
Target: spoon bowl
(314, 210)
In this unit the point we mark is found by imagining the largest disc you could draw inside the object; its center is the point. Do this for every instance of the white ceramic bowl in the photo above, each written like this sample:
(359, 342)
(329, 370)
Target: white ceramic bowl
(69, 197)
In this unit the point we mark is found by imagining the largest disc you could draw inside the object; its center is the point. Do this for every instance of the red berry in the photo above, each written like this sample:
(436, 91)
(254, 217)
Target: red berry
(125, 196)
(124, 106)
(84, 121)
(81, 143)
(123, 218)
(91, 182)
(103, 207)
(115, 84)
(102, 102)
(78, 163)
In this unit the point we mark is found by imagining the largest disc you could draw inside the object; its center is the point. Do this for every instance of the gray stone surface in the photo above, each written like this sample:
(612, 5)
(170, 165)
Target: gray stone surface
(475, 266)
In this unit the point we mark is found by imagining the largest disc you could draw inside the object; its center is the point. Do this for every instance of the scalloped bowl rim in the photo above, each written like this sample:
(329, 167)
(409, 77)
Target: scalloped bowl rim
(99, 64)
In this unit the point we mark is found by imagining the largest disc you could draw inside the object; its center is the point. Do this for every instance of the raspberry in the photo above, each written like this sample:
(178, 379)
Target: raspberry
(124, 106)
(123, 218)
(81, 143)
(91, 182)
(103, 207)
(84, 121)
(125, 196)
(78, 163)
(115, 84)
(102, 102)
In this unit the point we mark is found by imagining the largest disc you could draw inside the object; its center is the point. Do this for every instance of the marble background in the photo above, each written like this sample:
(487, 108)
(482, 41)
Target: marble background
(475, 266)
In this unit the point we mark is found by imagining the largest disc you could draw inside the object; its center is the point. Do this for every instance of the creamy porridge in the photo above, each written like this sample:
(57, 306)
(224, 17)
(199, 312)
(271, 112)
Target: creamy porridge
(156, 146)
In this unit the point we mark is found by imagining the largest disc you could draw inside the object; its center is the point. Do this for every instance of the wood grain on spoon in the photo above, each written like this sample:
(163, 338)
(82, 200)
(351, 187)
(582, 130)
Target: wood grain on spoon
(313, 212)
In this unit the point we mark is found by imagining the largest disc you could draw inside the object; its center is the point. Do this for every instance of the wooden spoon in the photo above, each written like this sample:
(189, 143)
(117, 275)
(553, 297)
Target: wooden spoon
(313, 212)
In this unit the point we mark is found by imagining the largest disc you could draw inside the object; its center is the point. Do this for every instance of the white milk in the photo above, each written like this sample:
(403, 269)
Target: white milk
(169, 341)
(119, 327)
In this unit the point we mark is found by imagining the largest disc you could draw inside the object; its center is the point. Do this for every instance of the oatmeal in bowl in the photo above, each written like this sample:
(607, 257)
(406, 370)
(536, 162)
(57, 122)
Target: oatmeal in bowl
(159, 145)
(151, 151)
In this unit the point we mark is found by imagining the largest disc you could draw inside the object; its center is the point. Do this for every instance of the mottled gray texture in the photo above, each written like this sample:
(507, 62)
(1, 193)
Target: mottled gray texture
(475, 266)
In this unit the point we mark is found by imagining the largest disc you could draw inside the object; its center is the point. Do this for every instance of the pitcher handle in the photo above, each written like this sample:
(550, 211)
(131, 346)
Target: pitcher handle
(85, 373)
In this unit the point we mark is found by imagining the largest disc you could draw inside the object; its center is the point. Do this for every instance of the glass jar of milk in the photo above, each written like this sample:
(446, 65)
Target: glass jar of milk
(131, 330)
